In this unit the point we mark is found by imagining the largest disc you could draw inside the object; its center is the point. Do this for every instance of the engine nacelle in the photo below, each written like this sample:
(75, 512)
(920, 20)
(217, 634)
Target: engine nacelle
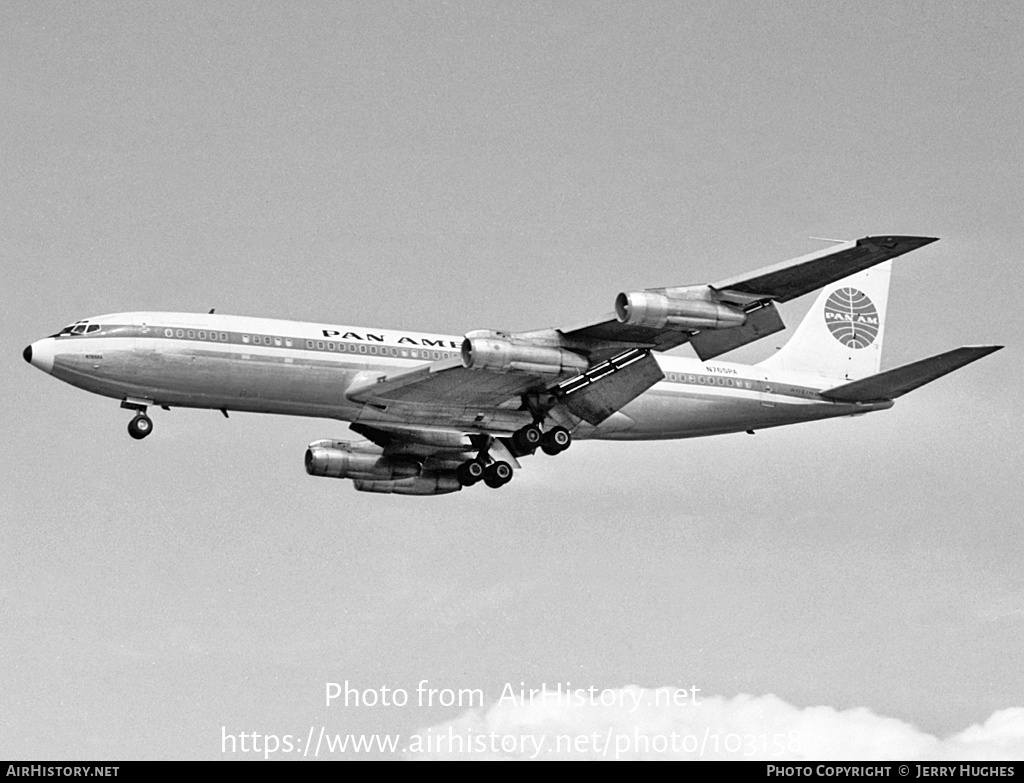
(423, 485)
(486, 353)
(643, 308)
(336, 459)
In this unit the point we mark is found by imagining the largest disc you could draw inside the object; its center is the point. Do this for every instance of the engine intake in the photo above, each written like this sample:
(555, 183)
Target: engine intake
(484, 353)
(336, 459)
(643, 308)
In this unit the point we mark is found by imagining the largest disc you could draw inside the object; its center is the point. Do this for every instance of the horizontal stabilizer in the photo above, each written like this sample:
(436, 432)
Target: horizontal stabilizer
(895, 383)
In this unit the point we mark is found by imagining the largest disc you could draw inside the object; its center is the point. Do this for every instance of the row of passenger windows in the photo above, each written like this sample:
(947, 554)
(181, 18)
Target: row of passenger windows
(375, 350)
(261, 340)
(192, 334)
(709, 380)
(319, 345)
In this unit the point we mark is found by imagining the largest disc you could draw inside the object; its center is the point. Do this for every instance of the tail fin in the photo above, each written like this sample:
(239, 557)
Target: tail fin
(841, 335)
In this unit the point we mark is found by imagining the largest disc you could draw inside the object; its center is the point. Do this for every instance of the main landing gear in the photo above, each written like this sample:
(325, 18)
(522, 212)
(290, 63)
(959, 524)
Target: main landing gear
(141, 425)
(554, 441)
(497, 473)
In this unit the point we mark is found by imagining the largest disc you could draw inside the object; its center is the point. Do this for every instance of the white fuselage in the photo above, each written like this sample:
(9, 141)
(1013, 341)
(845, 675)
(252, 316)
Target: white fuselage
(236, 363)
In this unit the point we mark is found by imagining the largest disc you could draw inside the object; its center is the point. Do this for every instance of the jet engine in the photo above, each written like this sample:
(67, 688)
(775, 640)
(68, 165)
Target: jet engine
(485, 353)
(362, 461)
(644, 308)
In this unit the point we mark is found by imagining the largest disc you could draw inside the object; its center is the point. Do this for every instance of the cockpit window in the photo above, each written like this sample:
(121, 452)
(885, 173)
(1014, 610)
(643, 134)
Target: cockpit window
(79, 327)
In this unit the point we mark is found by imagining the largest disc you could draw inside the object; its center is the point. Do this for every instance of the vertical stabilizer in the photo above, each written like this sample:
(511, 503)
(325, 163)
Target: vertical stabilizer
(841, 336)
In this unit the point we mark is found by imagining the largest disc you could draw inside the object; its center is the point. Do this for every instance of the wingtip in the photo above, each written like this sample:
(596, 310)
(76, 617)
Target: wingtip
(897, 244)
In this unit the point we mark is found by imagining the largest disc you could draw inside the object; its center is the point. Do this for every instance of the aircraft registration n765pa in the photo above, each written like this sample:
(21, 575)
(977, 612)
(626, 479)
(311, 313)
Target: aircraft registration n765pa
(437, 413)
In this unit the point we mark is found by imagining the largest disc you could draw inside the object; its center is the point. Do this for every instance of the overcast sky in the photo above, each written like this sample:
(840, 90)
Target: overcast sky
(453, 166)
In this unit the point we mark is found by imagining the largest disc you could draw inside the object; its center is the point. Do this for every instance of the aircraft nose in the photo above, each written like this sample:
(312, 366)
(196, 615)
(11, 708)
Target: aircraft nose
(41, 354)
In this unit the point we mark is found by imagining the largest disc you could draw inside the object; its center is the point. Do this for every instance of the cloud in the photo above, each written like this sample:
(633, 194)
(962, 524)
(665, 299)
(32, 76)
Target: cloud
(669, 723)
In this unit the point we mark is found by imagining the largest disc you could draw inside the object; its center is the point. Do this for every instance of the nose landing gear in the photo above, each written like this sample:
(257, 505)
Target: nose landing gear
(141, 425)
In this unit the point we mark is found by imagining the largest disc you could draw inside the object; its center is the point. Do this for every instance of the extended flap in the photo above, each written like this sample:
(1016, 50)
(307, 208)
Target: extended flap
(761, 322)
(605, 388)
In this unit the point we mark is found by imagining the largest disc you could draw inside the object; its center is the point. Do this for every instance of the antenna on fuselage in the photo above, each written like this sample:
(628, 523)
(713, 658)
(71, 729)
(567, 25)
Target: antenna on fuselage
(211, 310)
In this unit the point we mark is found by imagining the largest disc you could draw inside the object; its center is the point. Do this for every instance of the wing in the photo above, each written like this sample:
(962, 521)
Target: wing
(754, 294)
(588, 372)
(445, 382)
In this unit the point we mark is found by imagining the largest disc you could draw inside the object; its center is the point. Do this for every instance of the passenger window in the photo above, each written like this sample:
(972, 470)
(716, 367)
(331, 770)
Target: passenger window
(277, 341)
(288, 342)
(191, 334)
(180, 333)
(330, 346)
(319, 345)
(168, 333)
(362, 349)
(202, 335)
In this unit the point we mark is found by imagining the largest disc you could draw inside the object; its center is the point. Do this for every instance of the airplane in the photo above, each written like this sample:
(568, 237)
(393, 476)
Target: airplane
(437, 413)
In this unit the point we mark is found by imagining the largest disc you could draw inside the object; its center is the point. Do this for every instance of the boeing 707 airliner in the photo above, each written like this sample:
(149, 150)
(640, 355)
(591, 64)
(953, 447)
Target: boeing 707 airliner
(437, 413)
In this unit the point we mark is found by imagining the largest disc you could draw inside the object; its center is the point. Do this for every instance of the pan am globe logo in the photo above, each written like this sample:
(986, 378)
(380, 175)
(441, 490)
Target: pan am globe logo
(851, 317)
